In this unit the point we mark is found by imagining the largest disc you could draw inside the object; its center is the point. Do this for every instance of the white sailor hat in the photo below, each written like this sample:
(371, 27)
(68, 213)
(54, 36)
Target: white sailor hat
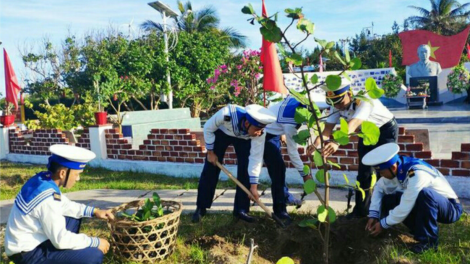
(70, 156)
(259, 116)
(337, 95)
(382, 157)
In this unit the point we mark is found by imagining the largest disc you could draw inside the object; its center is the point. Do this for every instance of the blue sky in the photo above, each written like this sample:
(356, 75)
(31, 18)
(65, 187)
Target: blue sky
(25, 23)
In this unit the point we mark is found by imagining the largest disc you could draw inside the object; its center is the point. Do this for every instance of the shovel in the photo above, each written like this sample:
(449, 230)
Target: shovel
(266, 209)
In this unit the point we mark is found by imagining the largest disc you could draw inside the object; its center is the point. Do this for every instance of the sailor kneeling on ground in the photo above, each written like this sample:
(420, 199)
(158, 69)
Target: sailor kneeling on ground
(43, 226)
(411, 192)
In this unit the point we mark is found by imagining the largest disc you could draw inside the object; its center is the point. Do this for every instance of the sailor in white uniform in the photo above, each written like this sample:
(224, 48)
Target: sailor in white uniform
(241, 127)
(355, 112)
(411, 192)
(43, 226)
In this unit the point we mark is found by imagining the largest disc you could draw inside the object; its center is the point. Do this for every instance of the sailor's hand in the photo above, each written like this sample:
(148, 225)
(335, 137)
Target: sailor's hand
(329, 149)
(104, 214)
(376, 229)
(211, 157)
(104, 245)
(370, 224)
(254, 192)
(283, 139)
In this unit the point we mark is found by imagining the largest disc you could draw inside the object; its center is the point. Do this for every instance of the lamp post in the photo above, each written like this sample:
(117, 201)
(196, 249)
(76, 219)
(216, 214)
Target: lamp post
(344, 44)
(166, 11)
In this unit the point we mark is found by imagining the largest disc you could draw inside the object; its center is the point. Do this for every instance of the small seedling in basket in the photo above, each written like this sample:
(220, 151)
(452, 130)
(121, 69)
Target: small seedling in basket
(149, 211)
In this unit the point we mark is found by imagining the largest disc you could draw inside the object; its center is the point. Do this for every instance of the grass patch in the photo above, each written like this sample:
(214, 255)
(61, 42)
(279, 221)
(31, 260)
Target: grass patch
(14, 175)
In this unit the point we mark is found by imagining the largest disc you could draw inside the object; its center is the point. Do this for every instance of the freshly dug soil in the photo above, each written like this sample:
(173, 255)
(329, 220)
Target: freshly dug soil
(349, 242)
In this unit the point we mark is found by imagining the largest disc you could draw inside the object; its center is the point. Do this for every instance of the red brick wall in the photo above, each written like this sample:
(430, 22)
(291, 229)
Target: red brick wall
(166, 145)
(84, 140)
(39, 144)
(181, 145)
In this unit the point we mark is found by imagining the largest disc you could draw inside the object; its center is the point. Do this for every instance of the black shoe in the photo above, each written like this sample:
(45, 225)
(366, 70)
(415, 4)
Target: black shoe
(420, 248)
(245, 217)
(285, 218)
(198, 214)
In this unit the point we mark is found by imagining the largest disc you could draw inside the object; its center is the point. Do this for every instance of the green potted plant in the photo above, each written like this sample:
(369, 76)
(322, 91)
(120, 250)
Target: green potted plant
(7, 118)
(101, 116)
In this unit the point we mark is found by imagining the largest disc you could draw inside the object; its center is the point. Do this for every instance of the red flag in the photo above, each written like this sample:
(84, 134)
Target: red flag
(11, 83)
(390, 58)
(272, 73)
(468, 51)
(444, 49)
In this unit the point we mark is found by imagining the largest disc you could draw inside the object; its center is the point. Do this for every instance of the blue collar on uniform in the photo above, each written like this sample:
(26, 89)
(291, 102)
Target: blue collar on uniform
(287, 109)
(408, 163)
(37, 189)
(238, 116)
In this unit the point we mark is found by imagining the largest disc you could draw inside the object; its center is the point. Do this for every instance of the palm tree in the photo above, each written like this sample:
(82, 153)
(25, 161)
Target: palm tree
(446, 17)
(202, 20)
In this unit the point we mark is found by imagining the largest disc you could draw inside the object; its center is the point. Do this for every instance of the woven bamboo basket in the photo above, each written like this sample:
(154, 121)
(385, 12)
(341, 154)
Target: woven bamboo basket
(146, 241)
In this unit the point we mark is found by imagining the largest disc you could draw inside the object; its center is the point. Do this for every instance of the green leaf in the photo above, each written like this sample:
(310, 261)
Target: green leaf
(294, 13)
(370, 133)
(320, 176)
(281, 49)
(312, 223)
(346, 178)
(346, 76)
(296, 59)
(317, 159)
(334, 164)
(355, 64)
(302, 115)
(315, 128)
(321, 42)
(331, 214)
(342, 136)
(306, 26)
(306, 169)
(358, 186)
(322, 213)
(299, 97)
(271, 32)
(299, 140)
(310, 186)
(248, 10)
(330, 45)
(285, 260)
(346, 56)
(372, 89)
(364, 98)
(156, 199)
(333, 82)
(314, 79)
(344, 126)
(373, 180)
(146, 215)
(339, 58)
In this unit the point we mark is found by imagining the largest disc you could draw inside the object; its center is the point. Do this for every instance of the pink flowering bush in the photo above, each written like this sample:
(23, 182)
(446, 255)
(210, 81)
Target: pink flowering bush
(458, 80)
(240, 78)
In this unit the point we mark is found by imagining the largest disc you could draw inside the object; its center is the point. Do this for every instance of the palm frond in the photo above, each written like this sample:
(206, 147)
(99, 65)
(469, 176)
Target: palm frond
(421, 10)
(150, 25)
(236, 38)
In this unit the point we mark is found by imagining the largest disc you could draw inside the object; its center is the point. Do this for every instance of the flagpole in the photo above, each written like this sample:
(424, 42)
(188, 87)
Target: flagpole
(264, 98)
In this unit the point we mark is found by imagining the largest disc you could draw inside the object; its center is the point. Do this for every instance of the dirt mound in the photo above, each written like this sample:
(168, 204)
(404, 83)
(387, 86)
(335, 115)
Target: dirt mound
(224, 252)
(349, 242)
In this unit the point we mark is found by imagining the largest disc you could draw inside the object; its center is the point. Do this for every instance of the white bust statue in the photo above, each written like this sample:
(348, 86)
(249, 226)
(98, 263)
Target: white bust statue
(424, 67)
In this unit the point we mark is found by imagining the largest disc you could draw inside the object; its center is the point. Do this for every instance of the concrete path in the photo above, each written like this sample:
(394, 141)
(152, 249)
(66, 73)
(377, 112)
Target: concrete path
(113, 198)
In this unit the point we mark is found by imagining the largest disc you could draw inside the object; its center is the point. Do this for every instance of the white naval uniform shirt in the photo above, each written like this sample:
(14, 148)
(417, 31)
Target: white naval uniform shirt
(46, 221)
(376, 113)
(424, 177)
(230, 128)
(290, 130)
